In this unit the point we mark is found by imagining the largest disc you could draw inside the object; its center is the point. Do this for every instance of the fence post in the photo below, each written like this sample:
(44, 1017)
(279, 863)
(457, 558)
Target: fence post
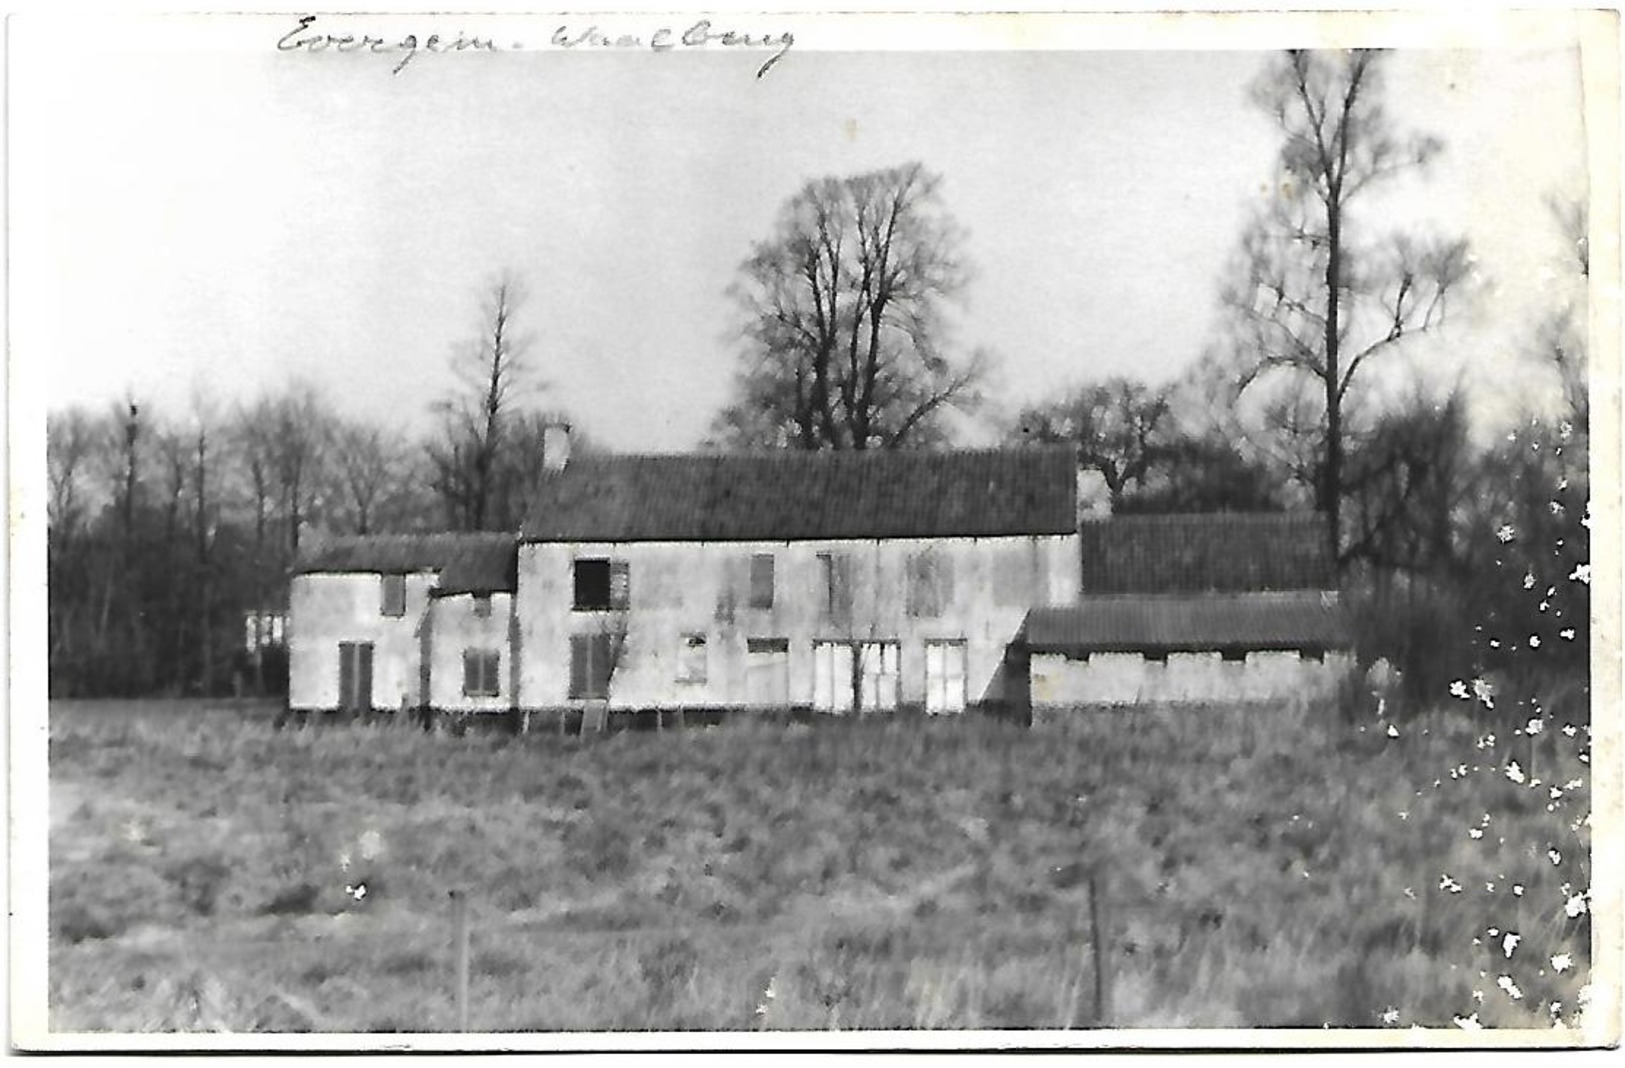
(459, 924)
(1098, 948)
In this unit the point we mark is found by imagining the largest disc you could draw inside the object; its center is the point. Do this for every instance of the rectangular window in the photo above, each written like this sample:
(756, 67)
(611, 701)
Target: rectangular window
(394, 595)
(767, 672)
(929, 584)
(837, 589)
(1157, 656)
(761, 580)
(481, 668)
(590, 666)
(1235, 656)
(1315, 655)
(482, 605)
(602, 585)
(691, 658)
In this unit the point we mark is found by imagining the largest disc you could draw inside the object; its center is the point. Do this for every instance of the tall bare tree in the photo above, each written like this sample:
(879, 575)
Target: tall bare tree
(369, 464)
(1317, 299)
(843, 319)
(300, 449)
(493, 375)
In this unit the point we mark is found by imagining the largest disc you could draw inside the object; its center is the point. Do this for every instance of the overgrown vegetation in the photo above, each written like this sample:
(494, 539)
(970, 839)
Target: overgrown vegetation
(1261, 868)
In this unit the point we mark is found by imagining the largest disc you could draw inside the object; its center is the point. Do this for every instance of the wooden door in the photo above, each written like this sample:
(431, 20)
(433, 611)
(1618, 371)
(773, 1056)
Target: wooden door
(355, 676)
(832, 677)
(878, 664)
(944, 677)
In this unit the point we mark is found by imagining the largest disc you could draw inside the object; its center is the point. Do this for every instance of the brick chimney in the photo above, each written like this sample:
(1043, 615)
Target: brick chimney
(555, 446)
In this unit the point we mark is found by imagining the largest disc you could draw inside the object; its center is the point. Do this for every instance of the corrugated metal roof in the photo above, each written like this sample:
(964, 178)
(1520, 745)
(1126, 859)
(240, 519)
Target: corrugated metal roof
(790, 496)
(1190, 623)
(1222, 552)
(467, 563)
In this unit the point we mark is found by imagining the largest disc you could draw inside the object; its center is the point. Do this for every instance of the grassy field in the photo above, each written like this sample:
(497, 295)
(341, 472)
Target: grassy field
(1261, 868)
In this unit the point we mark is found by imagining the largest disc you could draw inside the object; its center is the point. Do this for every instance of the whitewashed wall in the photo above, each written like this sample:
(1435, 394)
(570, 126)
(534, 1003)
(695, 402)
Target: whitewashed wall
(455, 628)
(1129, 678)
(682, 588)
(327, 609)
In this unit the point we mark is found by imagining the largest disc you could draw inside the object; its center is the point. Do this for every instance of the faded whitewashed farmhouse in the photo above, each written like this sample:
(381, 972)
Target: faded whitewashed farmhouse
(832, 581)
(1189, 608)
(841, 582)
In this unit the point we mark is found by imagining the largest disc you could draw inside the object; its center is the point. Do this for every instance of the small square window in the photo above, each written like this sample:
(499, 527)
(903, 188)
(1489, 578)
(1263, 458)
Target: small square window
(482, 605)
(691, 658)
(481, 668)
(394, 595)
(1235, 656)
(601, 585)
(761, 580)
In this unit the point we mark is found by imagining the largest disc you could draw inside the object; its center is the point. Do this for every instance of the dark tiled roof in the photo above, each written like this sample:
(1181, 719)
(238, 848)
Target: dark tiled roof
(468, 563)
(788, 496)
(1186, 623)
(1206, 552)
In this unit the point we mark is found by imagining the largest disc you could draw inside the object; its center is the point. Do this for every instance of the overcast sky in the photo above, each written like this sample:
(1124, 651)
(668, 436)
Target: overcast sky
(228, 220)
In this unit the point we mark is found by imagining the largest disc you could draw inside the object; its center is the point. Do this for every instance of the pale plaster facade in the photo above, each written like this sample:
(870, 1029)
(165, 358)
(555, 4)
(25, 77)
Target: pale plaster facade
(680, 591)
(327, 610)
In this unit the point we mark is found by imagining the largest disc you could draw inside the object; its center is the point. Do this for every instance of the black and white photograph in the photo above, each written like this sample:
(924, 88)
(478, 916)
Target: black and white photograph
(812, 531)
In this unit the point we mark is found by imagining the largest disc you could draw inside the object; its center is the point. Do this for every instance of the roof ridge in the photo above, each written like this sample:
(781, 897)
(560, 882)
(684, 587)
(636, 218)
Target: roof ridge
(793, 453)
(1186, 595)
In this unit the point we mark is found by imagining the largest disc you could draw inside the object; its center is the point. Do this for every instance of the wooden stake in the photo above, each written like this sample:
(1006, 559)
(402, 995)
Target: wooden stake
(1097, 948)
(459, 924)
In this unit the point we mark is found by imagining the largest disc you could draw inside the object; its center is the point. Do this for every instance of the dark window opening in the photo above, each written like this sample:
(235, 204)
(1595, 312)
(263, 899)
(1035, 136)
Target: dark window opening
(1316, 655)
(481, 668)
(482, 605)
(602, 585)
(837, 590)
(929, 584)
(1235, 656)
(394, 595)
(761, 580)
(767, 645)
(591, 664)
(1157, 656)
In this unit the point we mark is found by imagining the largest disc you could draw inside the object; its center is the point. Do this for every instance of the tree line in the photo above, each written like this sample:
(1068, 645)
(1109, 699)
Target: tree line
(171, 533)
(168, 530)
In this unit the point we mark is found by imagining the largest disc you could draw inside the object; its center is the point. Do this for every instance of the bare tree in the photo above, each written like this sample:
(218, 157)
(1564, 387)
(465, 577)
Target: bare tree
(1119, 427)
(369, 463)
(843, 319)
(493, 375)
(300, 448)
(1313, 300)
(73, 442)
(1408, 481)
(1560, 338)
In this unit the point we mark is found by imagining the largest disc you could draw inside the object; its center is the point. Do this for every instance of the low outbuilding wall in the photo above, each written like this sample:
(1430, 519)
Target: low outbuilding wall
(1132, 678)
